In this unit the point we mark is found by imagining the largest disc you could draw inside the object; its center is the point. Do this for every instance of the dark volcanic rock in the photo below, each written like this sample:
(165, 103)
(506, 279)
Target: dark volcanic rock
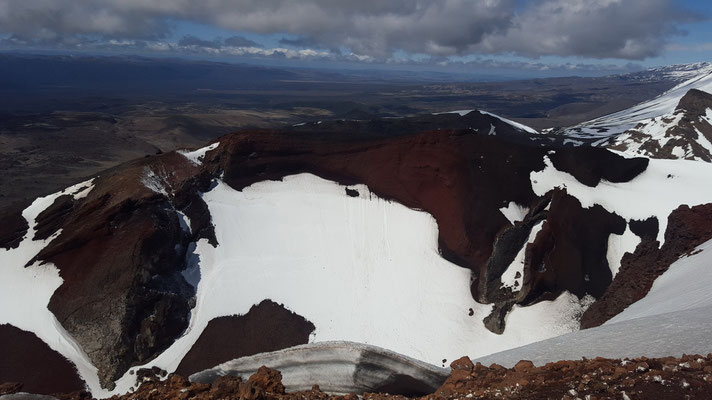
(53, 217)
(591, 164)
(26, 359)
(569, 253)
(695, 102)
(687, 131)
(14, 226)
(123, 298)
(268, 326)
(687, 228)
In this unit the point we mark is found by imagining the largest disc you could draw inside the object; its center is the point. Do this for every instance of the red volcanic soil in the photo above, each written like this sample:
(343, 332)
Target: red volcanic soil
(688, 377)
(268, 326)
(27, 359)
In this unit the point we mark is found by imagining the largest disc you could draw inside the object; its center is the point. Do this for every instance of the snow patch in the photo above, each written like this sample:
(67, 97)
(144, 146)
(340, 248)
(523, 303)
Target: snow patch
(509, 277)
(157, 181)
(573, 142)
(25, 292)
(618, 245)
(461, 113)
(197, 156)
(514, 212)
(517, 125)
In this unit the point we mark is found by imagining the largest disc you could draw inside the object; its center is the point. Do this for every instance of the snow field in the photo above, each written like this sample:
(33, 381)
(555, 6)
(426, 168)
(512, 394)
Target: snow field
(665, 104)
(361, 269)
(660, 189)
(25, 292)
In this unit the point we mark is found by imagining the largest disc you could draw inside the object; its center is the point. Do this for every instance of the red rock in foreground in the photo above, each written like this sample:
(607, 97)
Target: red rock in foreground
(687, 377)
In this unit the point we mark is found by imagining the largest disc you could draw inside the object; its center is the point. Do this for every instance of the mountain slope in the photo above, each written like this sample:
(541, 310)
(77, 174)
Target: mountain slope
(371, 231)
(665, 104)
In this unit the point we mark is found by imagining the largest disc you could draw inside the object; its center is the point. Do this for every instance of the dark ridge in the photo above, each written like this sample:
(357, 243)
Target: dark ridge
(569, 253)
(591, 164)
(687, 228)
(53, 217)
(695, 102)
(645, 229)
(120, 254)
(14, 226)
(375, 128)
(26, 359)
(268, 326)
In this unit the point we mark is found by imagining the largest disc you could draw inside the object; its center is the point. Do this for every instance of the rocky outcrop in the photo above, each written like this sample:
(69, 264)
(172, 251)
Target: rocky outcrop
(267, 327)
(667, 378)
(120, 253)
(13, 228)
(338, 368)
(36, 368)
(686, 133)
(687, 228)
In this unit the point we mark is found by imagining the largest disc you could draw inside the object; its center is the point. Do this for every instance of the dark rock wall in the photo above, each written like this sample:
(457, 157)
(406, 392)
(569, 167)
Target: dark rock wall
(26, 359)
(268, 326)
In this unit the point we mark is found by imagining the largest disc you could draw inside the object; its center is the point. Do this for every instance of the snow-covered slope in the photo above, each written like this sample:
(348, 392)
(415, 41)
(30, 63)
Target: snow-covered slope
(520, 127)
(663, 335)
(25, 290)
(684, 286)
(664, 105)
(663, 187)
(675, 318)
(357, 267)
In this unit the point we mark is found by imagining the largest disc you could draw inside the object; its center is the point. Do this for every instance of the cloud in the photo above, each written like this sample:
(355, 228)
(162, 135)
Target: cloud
(696, 47)
(189, 40)
(239, 41)
(625, 29)
(372, 29)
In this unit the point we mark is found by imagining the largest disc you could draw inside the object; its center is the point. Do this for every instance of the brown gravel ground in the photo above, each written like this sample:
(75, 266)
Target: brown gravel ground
(687, 377)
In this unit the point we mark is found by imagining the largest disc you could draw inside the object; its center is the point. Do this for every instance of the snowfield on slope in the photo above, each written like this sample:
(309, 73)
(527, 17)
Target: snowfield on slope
(25, 292)
(684, 286)
(664, 104)
(361, 269)
(660, 189)
(673, 319)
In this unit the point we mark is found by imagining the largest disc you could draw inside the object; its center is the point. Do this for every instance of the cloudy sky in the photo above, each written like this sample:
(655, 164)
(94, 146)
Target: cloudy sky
(576, 35)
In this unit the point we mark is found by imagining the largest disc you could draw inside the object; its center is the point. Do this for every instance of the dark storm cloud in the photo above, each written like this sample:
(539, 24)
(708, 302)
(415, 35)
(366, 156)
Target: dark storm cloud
(239, 41)
(190, 40)
(375, 29)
